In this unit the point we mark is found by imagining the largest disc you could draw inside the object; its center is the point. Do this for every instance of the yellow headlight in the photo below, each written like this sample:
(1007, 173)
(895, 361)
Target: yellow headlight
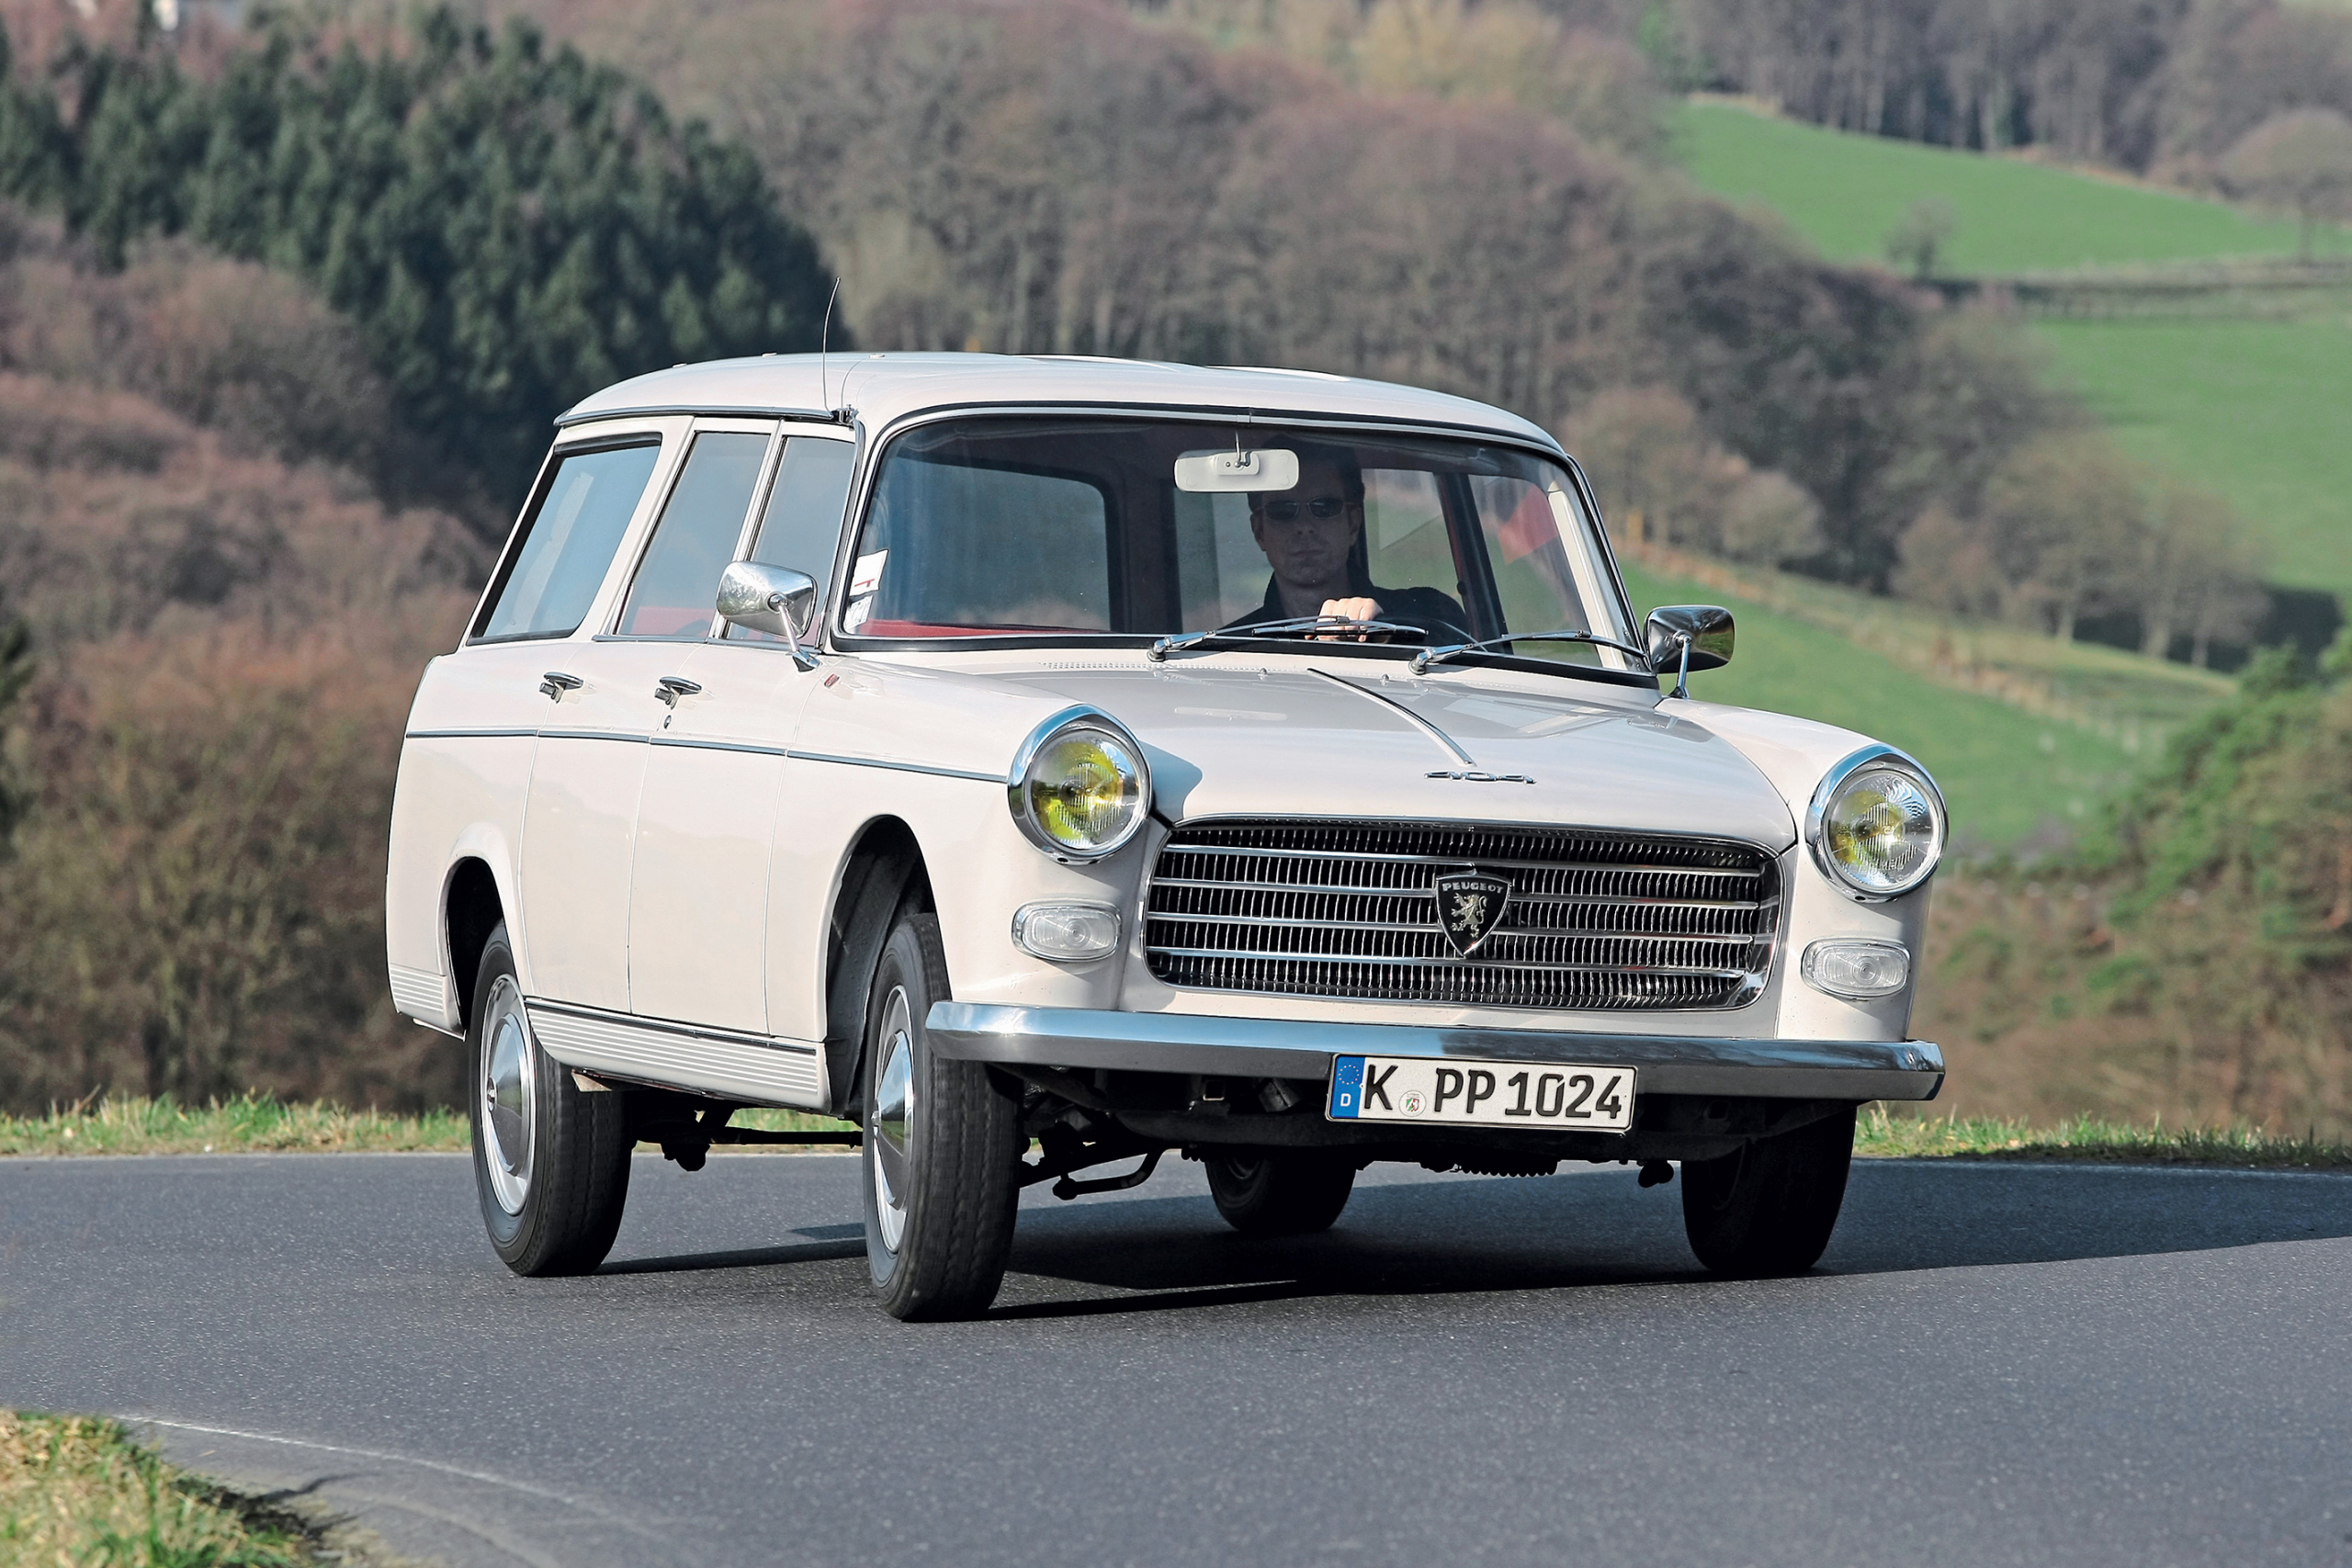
(1082, 793)
(1881, 832)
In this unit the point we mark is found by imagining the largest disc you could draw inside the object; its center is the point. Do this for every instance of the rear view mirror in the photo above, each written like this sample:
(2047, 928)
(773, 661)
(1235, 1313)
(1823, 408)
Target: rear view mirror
(772, 599)
(1255, 468)
(1683, 638)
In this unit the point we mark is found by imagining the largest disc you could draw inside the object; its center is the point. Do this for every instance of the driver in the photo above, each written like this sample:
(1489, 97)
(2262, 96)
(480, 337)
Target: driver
(1309, 534)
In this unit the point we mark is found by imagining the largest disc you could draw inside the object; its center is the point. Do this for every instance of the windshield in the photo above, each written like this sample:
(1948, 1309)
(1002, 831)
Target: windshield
(1114, 528)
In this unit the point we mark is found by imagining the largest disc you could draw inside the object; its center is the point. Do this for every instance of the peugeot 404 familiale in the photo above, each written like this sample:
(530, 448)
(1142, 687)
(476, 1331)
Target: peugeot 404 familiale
(1047, 762)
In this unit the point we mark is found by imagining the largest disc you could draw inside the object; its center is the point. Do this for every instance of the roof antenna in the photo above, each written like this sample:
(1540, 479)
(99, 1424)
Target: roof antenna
(824, 333)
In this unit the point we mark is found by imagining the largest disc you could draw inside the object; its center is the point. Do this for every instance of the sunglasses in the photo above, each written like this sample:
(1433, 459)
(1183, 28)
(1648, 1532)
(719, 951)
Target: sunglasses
(1323, 508)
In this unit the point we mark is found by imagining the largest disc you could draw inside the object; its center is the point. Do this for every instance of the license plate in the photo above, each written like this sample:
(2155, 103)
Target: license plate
(1525, 1094)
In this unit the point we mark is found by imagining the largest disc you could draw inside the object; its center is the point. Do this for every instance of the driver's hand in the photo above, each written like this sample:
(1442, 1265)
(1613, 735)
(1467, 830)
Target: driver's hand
(1351, 610)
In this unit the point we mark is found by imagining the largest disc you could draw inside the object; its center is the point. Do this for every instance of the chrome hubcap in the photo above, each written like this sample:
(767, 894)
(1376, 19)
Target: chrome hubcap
(509, 1097)
(888, 1125)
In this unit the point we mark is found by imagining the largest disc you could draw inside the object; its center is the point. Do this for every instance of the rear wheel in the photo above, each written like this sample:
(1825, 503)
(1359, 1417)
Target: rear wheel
(550, 1163)
(1279, 1191)
(942, 1142)
(1768, 1209)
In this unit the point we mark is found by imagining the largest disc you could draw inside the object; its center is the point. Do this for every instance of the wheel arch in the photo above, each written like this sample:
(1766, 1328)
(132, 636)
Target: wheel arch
(883, 872)
(472, 907)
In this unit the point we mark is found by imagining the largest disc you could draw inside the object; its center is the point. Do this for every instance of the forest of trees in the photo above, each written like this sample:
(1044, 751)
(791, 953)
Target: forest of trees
(281, 331)
(2156, 86)
(508, 227)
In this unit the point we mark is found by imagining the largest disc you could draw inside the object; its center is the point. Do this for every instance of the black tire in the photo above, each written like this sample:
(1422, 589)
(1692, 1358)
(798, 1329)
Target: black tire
(941, 1190)
(1279, 1191)
(558, 1211)
(1767, 1211)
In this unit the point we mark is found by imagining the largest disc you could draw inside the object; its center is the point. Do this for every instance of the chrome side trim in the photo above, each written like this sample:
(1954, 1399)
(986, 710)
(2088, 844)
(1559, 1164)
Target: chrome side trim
(1253, 1047)
(622, 736)
(469, 734)
(894, 767)
(756, 1068)
(691, 743)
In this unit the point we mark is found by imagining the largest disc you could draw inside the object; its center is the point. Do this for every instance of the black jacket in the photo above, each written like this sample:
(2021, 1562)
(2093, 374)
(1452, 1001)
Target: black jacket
(1426, 608)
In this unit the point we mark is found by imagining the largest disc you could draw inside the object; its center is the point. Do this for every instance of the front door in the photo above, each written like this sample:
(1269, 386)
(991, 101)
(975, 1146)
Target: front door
(703, 814)
(532, 651)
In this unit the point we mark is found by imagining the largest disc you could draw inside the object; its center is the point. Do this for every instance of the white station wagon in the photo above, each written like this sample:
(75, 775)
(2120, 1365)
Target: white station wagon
(1044, 762)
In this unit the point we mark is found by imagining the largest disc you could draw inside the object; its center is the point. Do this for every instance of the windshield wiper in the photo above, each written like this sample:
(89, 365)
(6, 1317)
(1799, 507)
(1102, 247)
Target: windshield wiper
(1305, 626)
(1429, 655)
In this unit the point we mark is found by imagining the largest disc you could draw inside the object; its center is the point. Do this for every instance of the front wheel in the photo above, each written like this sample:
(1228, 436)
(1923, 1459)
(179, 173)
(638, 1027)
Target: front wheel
(943, 1144)
(1766, 1211)
(550, 1163)
(1279, 1191)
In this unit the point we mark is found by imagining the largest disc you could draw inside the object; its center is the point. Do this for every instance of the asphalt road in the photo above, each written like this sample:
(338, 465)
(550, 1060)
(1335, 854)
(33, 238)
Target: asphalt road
(1995, 1364)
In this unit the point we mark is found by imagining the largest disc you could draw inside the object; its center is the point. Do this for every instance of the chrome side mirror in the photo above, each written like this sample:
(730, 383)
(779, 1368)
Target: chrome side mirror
(772, 599)
(1683, 638)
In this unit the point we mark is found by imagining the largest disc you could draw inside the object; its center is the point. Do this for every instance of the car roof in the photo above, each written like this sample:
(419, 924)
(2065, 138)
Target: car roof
(885, 388)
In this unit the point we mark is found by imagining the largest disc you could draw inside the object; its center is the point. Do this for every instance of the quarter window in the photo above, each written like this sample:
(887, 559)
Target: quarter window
(567, 542)
(676, 591)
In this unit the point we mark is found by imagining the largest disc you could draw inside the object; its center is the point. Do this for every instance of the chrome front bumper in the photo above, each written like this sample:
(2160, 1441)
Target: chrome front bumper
(1276, 1048)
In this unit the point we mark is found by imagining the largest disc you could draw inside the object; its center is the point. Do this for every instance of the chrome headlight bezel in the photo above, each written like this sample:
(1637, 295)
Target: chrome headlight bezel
(1852, 769)
(1116, 741)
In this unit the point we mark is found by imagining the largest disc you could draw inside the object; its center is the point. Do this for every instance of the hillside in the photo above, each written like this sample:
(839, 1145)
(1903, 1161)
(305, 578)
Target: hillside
(1845, 191)
(2259, 411)
(2013, 776)
(2253, 408)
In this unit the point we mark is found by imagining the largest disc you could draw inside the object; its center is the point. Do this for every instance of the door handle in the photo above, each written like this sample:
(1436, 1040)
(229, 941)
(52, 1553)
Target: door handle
(554, 682)
(670, 688)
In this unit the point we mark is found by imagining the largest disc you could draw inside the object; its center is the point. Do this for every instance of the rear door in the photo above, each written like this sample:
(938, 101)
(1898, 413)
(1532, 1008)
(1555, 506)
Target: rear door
(580, 819)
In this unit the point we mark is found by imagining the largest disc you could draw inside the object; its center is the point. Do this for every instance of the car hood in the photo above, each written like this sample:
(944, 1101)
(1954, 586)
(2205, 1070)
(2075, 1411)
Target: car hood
(1355, 739)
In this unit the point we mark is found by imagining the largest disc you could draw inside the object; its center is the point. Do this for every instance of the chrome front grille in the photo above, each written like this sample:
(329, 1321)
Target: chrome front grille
(1599, 920)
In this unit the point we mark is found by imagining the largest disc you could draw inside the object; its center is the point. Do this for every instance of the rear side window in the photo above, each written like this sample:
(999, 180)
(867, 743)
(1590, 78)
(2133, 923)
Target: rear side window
(676, 590)
(568, 541)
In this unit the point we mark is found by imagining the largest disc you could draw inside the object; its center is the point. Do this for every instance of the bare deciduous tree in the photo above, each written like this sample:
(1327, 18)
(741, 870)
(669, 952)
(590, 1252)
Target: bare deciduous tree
(2300, 161)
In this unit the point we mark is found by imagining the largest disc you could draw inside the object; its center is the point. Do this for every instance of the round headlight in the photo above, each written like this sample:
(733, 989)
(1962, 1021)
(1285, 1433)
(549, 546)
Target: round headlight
(1079, 788)
(1877, 824)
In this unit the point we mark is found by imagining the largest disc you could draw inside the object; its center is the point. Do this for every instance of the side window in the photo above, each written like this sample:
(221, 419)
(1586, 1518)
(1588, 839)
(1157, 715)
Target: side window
(568, 541)
(676, 591)
(802, 522)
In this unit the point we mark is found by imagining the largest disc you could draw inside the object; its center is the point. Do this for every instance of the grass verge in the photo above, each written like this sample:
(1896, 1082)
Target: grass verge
(255, 1124)
(1878, 1135)
(79, 1489)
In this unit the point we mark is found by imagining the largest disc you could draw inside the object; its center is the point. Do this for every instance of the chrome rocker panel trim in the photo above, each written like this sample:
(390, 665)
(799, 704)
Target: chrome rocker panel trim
(756, 1068)
(1282, 1048)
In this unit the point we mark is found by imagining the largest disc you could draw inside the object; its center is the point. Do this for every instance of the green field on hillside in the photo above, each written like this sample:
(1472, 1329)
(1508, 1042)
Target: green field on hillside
(2008, 775)
(1844, 191)
(2260, 411)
